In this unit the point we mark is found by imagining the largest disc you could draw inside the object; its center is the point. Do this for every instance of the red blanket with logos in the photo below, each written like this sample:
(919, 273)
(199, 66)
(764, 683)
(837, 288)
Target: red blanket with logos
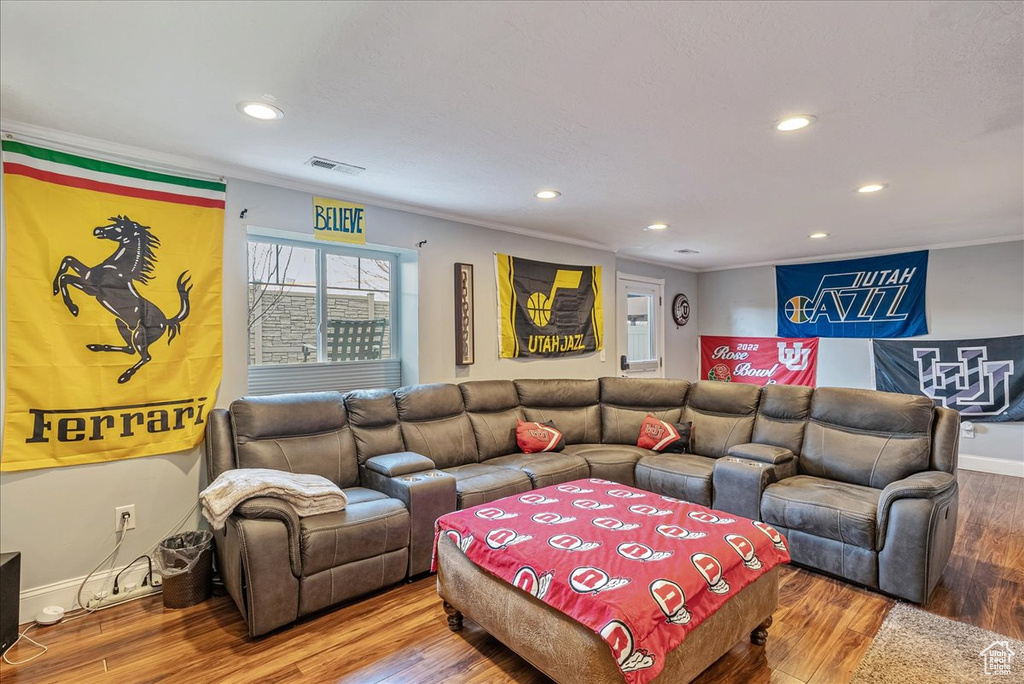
(641, 570)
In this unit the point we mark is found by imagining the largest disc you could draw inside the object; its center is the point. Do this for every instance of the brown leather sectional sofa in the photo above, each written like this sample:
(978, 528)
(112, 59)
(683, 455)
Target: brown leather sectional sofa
(861, 483)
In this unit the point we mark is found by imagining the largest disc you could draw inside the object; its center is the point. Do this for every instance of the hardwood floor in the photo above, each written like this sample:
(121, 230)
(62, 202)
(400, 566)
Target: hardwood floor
(821, 629)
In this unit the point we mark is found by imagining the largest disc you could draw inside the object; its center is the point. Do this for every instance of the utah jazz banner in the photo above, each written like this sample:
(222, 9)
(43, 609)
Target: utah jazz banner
(874, 297)
(983, 379)
(113, 290)
(548, 310)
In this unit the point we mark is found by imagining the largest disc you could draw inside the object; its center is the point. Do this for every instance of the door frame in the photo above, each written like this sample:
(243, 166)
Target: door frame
(621, 345)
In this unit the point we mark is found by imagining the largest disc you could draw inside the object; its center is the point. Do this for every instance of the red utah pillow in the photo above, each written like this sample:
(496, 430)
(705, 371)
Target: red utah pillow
(668, 438)
(536, 437)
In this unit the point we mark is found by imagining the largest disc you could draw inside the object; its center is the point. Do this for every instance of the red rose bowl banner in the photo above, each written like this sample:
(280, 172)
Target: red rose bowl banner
(760, 360)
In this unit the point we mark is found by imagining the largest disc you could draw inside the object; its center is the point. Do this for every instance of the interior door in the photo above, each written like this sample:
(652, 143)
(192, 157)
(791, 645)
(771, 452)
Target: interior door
(640, 326)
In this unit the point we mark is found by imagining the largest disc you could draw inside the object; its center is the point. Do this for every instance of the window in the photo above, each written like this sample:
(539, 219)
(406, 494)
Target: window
(319, 315)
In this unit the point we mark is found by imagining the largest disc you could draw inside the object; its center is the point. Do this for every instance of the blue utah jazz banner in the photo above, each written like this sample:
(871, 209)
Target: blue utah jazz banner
(982, 379)
(874, 297)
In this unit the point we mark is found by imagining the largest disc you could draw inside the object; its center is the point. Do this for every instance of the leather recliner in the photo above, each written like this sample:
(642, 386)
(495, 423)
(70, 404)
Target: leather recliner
(862, 483)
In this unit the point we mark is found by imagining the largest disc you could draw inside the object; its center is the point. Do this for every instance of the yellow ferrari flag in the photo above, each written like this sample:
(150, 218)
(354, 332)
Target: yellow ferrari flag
(113, 291)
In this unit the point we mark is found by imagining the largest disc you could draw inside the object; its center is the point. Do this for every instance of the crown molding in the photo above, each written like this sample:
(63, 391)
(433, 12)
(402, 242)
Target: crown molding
(873, 252)
(165, 161)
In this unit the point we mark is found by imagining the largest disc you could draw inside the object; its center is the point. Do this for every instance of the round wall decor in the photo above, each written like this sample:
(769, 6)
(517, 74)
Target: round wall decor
(681, 309)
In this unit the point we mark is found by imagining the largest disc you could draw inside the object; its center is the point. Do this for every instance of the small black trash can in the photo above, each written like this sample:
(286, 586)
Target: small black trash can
(186, 566)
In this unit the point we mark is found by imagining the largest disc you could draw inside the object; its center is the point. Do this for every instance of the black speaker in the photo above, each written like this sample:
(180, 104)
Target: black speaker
(10, 589)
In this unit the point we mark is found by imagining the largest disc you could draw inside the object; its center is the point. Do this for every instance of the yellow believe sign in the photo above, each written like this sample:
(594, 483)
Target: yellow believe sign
(339, 221)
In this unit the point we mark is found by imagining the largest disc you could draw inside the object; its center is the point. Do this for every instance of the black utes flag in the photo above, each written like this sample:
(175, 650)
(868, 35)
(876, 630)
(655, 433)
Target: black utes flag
(983, 379)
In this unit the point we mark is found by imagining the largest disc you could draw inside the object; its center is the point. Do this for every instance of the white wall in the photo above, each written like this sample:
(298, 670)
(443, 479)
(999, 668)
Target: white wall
(62, 519)
(972, 292)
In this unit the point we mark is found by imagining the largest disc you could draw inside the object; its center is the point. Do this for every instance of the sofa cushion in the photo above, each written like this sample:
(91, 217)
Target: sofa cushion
(299, 433)
(494, 412)
(824, 508)
(625, 402)
(572, 405)
(782, 416)
(545, 469)
(374, 418)
(866, 437)
(615, 462)
(434, 423)
(681, 476)
(477, 483)
(371, 524)
(722, 414)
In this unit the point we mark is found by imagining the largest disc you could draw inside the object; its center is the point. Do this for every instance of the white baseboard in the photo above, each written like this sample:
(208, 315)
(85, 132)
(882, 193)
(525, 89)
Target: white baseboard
(65, 593)
(985, 464)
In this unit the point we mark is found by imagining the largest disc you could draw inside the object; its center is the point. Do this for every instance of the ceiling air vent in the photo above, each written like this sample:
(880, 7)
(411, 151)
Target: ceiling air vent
(339, 167)
(686, 251)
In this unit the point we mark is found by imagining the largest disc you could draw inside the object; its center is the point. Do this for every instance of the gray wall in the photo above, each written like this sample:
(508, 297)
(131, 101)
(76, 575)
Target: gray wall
(61, 519)
(972, 292)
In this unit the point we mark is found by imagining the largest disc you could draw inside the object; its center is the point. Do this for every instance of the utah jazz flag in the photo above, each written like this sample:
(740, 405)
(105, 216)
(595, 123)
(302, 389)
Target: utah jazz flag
(548, 310)
(113, 290)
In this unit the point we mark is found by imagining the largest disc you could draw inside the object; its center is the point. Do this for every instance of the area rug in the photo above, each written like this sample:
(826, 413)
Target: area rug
(915, 647)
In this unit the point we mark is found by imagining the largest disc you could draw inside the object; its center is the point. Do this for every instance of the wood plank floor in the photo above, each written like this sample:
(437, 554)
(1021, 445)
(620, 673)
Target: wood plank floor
(822, 627)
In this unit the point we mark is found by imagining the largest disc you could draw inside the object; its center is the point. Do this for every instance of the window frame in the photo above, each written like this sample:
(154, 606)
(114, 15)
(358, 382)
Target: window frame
(322, 249)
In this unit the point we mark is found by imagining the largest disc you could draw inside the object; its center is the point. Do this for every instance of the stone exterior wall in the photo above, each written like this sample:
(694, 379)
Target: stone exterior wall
(279, 336)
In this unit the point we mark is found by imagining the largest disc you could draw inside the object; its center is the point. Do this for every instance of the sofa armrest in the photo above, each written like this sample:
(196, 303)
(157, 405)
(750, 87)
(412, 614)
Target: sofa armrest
(927, 485)
(397, 464)
(739, 484)
(256, 573)
(428, 495)
(765, 453)
(268, 508)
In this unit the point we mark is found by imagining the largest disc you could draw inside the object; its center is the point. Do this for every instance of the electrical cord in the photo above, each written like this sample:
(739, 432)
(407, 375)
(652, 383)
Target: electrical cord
(24, 635)
(84, 610)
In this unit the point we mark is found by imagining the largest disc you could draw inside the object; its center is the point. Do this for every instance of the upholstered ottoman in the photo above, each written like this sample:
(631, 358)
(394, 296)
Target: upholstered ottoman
(507, 598)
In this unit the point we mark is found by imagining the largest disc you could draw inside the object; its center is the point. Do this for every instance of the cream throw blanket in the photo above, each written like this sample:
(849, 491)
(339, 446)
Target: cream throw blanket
(307, 494)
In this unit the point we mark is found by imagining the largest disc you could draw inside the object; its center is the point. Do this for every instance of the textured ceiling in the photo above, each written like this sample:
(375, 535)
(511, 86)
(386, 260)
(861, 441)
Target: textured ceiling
(636, 111)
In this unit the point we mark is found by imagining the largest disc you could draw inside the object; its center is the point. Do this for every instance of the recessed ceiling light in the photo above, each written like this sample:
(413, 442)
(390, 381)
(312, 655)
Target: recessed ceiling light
(872, 187)
(657, 226)
(547, 194)
(260, 110)
(818, 236)
(794, 123)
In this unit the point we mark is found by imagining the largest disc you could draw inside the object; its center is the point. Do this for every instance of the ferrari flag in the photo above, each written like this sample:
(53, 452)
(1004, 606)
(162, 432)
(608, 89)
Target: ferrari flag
(113, 290)
(548, 310)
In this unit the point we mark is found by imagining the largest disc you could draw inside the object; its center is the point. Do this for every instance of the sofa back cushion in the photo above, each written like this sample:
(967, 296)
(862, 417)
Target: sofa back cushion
(866, 437)
(494, 413)
(572, 405)
(298, 433)
(434, 423)
(722, 414)
(625, 402)
(782, 416)
(375, 425)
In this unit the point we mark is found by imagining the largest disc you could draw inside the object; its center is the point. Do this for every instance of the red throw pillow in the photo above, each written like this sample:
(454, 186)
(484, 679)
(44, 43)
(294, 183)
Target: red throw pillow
(537, 437)
(668, 438)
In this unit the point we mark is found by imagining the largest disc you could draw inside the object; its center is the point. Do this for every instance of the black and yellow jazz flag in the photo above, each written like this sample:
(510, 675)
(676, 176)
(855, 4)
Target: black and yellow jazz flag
(548, 310)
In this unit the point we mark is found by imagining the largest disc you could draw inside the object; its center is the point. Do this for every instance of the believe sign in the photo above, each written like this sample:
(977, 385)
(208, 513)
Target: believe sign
(759, 360)
(339, 221)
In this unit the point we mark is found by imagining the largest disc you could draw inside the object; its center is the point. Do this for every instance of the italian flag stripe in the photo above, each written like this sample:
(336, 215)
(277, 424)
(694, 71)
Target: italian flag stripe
(127, 172)
(109, 188)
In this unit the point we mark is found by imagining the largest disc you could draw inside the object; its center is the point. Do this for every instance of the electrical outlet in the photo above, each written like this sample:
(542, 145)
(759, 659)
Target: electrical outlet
(119, 513)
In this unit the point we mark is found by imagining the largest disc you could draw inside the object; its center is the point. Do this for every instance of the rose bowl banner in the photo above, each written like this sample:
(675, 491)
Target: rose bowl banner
(983, 378)
(113, 292)
(875, 297)
(548, 310)
(759, 360)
